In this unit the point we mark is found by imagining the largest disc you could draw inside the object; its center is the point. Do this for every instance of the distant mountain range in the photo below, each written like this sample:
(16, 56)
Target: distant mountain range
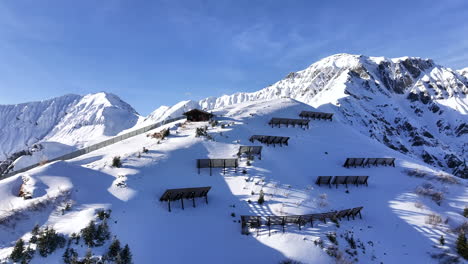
(411, 105)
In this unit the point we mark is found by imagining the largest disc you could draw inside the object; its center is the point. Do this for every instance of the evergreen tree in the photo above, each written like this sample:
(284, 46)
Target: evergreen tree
(17, 253)
(48, 241)
(89, 233)
(114, 249)
(102, 233)
(125, 256)
(462, 246)
(88, 259)
(28, 255)
(67, 256)
(34, 233)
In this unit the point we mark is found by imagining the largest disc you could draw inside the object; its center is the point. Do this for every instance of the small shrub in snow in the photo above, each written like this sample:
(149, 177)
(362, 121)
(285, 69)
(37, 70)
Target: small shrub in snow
(442, 240)
(160, 135)
(261, 197)
(116, 162)
(350, 239)
(323, 200)
(433, 219)
(18, 251)
(465, 212)
(145, 150)
(213, 123)
(416, 173)
(102, 214)
(428, 190)
(248, 163)
(332, 237)
(318, 242)
(462, 246)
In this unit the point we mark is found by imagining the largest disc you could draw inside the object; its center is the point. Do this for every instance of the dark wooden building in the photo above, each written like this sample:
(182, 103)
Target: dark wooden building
(197, 115)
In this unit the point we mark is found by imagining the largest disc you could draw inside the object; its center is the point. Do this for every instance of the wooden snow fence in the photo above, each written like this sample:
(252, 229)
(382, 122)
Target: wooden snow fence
(250, 151)
(217, 163)
(316, 115)
(354, 162)
(184, 193)
(270, 140)
(257, 222)
(276, 121)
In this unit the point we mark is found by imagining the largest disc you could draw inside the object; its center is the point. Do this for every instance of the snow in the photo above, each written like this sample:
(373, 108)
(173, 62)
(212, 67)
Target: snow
(70, 121)
(208, 233)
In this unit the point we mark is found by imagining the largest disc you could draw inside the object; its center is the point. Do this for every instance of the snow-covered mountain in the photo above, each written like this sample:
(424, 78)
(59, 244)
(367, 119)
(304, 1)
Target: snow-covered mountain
(411, 105)
(407, 209)
(66, 123)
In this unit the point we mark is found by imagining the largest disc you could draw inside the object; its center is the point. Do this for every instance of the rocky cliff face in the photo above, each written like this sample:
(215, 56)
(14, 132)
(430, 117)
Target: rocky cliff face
(411, 105)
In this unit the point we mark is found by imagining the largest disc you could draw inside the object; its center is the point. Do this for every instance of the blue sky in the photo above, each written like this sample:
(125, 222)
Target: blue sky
(160, 52)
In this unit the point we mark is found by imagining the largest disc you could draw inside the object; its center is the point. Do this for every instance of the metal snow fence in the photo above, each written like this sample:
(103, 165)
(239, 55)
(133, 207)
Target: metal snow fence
(97, 146)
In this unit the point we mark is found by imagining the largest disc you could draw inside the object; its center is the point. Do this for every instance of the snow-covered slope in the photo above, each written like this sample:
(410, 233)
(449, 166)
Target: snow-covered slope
(395, 225)
(412, 105)
(71, 120)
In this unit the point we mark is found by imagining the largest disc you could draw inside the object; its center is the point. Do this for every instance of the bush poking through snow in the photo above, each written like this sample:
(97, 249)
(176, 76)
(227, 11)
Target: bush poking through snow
(465, 212)
(433, 219)
(116, 162)
(160, 135)
(442, 240)
(332, 237)
(102, 214)
(213, 123)
(261, 197)
(145, 150)
(462, 245)
(428, 189)
(323, 200)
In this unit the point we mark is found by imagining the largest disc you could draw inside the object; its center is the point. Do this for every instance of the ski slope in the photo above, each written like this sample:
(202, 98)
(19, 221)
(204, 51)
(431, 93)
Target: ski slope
(393, 227)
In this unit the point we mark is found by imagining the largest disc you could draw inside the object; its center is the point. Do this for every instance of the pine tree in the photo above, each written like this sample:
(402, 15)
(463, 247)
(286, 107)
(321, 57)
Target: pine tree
(48, 241)
(88, 259)
(89, 233)
(28, 255)
(18, 250)
(114, 249)
(125, 256)
(261, 198)
(102, 233)
(34, 233)
(66, 256)
(462, 246)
